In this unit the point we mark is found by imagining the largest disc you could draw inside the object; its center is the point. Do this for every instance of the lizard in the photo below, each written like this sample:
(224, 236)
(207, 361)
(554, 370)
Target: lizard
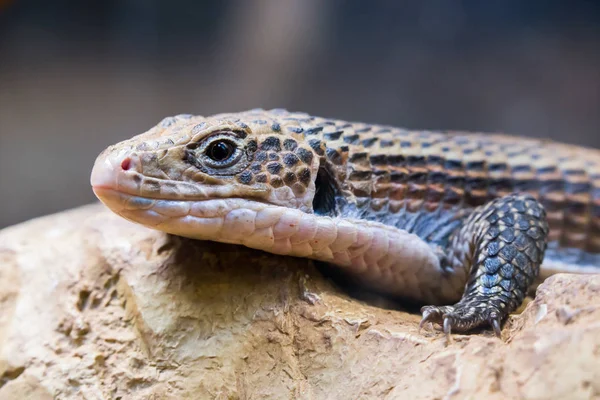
(464, 223)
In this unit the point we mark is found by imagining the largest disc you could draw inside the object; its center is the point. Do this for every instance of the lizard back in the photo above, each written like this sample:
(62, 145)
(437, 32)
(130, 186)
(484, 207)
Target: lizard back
(383, 171)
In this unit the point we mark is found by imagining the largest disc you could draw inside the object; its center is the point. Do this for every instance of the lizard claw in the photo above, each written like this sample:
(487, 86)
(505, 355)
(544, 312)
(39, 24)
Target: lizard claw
(430, 314)
(495, 323)
(425, 319)
(459, 318)
(447, 326)
(448, 329)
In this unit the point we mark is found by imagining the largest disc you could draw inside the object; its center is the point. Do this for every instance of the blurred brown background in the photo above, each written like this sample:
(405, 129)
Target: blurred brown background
(76, 76)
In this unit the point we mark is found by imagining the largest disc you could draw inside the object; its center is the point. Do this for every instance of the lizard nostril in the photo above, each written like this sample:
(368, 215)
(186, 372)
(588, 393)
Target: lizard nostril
(126, 164)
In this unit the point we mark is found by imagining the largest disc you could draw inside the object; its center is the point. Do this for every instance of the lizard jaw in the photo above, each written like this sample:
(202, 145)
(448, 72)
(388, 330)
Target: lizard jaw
(264, 226)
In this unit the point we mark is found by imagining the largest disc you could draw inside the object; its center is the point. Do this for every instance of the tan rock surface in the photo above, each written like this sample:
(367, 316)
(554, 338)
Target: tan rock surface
(94, 307)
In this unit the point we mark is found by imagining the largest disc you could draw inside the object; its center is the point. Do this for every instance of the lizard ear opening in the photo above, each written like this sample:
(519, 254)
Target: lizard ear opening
(324, 201)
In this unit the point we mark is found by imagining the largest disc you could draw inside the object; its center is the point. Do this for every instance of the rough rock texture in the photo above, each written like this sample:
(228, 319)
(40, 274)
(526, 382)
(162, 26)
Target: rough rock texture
(95, 307)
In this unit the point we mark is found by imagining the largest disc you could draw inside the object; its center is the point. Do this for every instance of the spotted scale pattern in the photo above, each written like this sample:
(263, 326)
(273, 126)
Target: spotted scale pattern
(280, 163)
(453, 190)
(395, 170)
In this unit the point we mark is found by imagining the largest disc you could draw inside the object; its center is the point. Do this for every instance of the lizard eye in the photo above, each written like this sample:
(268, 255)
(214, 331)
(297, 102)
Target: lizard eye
(220, 150)
(221, 154)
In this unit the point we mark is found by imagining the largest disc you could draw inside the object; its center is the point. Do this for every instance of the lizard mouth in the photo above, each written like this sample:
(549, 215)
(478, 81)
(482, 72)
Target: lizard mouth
(232, 220)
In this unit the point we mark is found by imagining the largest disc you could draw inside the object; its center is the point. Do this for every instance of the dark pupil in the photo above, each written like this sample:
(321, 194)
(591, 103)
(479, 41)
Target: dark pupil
(220, 151)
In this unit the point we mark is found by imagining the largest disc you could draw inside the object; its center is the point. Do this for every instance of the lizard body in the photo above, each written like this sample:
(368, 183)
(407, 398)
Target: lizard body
(429, 216)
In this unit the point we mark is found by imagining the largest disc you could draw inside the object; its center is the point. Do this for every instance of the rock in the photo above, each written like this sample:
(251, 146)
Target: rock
(95, 307)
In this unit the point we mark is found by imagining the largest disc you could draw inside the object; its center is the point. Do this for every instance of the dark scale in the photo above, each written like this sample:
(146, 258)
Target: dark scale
(351, 139)
(437, 177)
(520, 168)
(328, 122)
(578, 187)
(314, 130)
(331, 136)
(290, 144)
(260, 156)
(290, 159)
(271, 143)
(526, 185)
(333, 155)
(576, 207)
(478, 166)
(433, 160)
(546, 170)
(276, 182)
(453, 165)
(398, 177)
(574, 172)
(476, 190)
(497, 167)
(261, 178)
(547, 186)
(245, 177)
(396, 160)
(304, 155)
(369, 142)
(358, 175)
(304, 176)
(434, 194)
(274, 168)
(359, 158)
(378, 159)
(419, 177)
(256, 167)
(315, 144)
(289, 178)
(416, 161)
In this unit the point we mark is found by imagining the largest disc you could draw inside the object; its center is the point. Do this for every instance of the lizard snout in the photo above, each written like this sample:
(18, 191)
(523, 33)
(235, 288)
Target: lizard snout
(112, 170)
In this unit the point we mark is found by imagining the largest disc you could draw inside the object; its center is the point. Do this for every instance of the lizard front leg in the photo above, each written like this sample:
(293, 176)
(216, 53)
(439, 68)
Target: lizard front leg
(504, 243)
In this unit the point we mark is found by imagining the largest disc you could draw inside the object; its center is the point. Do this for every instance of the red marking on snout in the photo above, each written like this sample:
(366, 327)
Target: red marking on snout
(125, 164)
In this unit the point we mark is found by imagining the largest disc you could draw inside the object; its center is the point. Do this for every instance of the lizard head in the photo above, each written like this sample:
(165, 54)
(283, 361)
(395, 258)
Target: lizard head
(190, 168)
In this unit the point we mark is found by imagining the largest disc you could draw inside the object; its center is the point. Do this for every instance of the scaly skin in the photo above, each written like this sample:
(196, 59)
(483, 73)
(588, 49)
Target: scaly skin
(428, 216)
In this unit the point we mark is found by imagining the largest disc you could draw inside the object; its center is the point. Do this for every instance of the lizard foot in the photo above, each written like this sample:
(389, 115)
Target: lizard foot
(461, 317)
(508, 237)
